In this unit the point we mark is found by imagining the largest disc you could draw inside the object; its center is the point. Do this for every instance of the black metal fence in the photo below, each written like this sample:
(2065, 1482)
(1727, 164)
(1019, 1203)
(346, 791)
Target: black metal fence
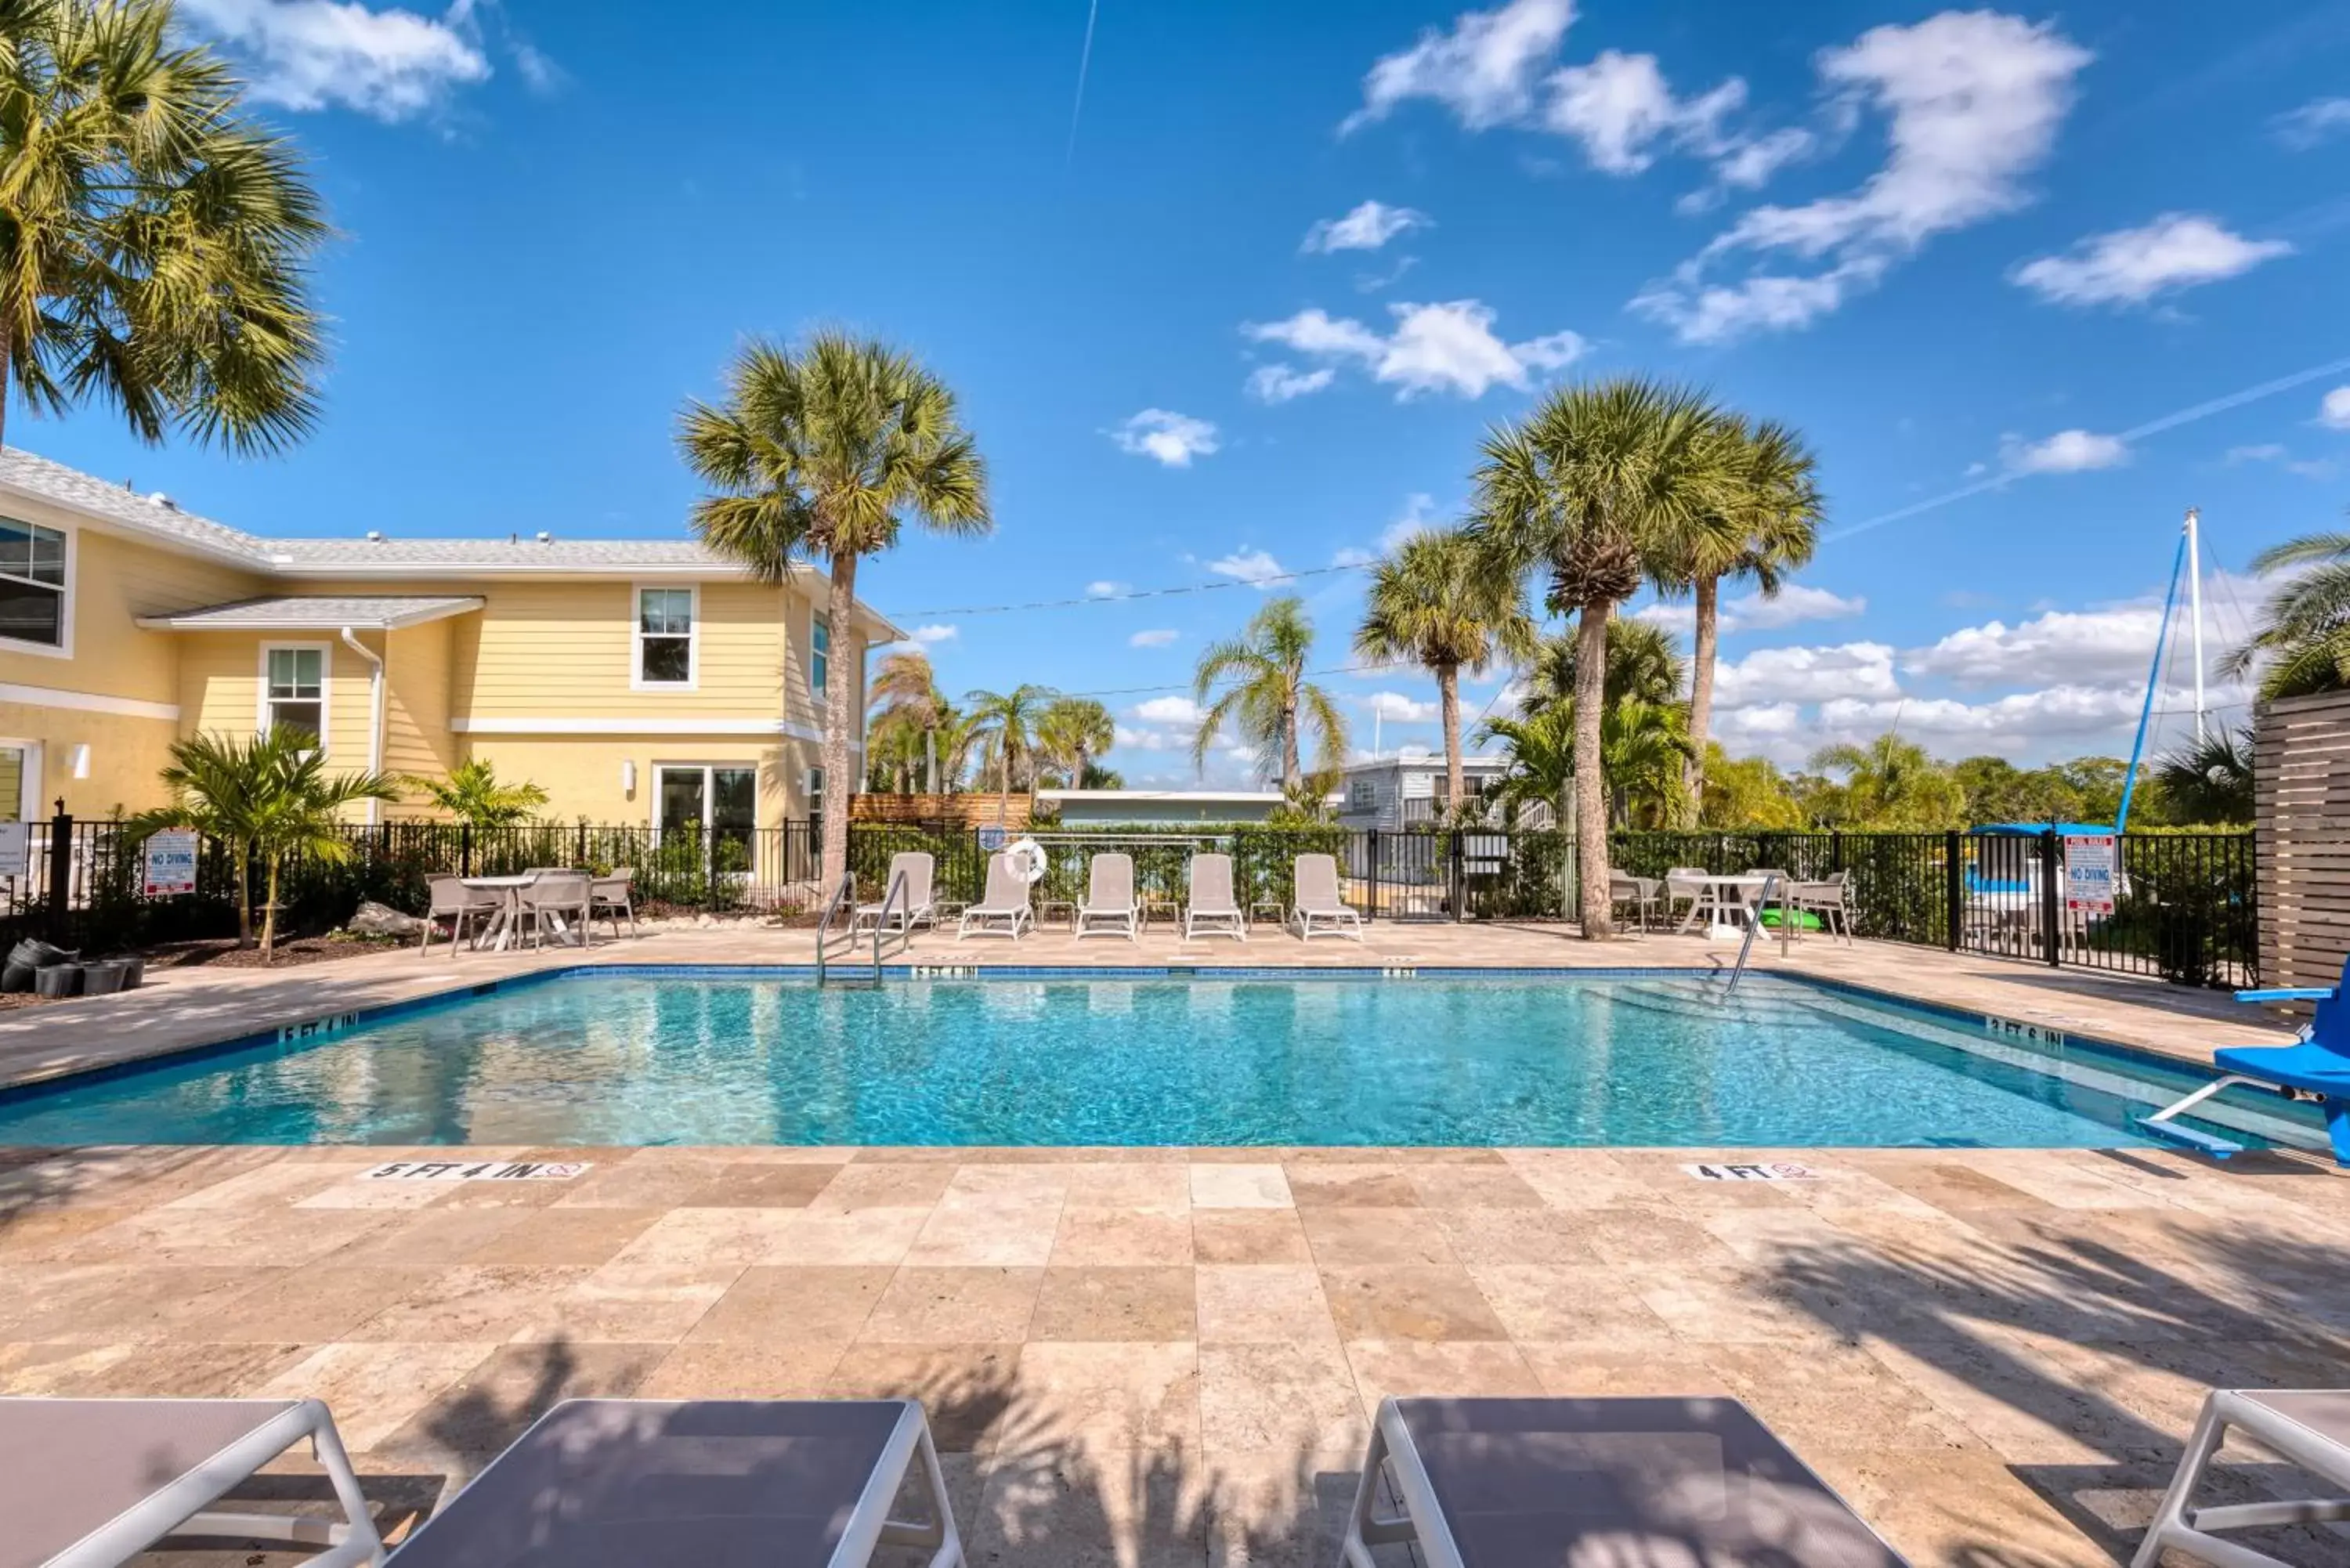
(2185, 906)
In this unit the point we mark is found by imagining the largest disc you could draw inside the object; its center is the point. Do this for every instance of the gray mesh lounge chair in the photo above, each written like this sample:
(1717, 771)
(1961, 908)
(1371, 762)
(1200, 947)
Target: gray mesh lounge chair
(2309, 1428)
(624, 1483)
(1489, 1483)
(1830, 899)
(1212, 906)
(1109, 908)
(1319, 904)
(1005, 911)
(558, 900)
(89, 1483)
(613, 898)
(914, 906)
(1640, 892)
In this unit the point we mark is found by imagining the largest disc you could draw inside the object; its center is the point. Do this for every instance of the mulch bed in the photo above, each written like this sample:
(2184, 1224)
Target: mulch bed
(222, 952)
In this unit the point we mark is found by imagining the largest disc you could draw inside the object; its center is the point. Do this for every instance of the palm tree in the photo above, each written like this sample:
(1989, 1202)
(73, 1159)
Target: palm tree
(1892, 783)
(2303, 645)
(1071, 733)
(905, 707)
(1645, 664)
(1540, 745)
(1595, 488)
(1768, 529)
(1005, 723)
(1643, 747)
(155, 243)
(473, 794)
(1439, 602)
(266, 798)
(2210, 780)
(827, 452)
(1266, 699)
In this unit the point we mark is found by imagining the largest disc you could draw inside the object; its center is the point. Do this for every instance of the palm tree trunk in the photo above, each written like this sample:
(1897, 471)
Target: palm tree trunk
(1448, 699)
(269, 918)
(838, 683)
(243, 894)
(1289, 778)
(1700, 719)
(1590, 787)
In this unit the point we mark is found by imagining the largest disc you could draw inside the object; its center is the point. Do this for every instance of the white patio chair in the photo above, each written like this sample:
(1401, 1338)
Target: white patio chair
(2309, 1428)
(1006, 910)
(1109, 908)
(452, 901)
(1319, 903)
(1830, 899)
(1684, 884)
(613, 898)
(1640, 892)
(560, 899)
(914, 906)
(1212, 906)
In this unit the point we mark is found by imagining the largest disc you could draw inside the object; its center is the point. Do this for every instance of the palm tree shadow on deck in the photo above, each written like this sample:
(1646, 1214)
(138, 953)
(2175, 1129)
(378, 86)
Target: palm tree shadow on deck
(2067, 1341)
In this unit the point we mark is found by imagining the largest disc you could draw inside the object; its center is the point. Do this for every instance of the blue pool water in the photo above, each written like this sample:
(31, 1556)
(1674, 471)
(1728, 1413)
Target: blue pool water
(604, 1060)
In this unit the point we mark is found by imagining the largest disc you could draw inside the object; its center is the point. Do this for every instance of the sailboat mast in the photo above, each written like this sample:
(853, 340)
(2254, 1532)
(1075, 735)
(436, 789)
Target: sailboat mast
(2195, 608)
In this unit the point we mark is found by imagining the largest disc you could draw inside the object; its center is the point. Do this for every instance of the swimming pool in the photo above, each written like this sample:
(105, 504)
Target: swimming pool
(640, 1058)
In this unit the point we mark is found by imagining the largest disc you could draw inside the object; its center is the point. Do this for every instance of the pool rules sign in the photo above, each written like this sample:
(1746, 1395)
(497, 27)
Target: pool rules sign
(2089, 872)
(170, 862)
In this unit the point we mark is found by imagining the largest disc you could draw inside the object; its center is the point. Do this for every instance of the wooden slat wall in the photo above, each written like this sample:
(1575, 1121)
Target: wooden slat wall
(2302, 777)
(965, 811)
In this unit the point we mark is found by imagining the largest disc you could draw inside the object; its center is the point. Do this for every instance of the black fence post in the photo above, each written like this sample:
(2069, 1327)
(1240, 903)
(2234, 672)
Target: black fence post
(580, 858)
(2051, 903)
(1954, 888)
(1459, 895)
(1374, 852)
(61, 830)
(465, 849)
(1835, 849)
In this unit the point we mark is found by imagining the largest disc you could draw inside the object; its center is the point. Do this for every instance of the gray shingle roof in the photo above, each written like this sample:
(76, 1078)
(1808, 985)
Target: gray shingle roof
(20, 470)
(357, 555)
(319, 612)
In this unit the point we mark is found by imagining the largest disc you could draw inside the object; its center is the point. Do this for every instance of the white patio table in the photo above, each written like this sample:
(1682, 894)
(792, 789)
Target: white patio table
(1719, 894)
(507, 926)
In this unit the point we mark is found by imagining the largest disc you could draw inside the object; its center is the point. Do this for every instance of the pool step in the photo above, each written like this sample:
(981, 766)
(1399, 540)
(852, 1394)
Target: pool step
(2188, 1137)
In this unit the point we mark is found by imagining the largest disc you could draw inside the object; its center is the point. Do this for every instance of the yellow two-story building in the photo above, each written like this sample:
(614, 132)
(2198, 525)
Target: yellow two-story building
(637, 681)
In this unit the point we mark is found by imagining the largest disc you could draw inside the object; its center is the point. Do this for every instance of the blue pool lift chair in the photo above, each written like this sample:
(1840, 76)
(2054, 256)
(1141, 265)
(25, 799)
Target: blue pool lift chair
(2317, 1064)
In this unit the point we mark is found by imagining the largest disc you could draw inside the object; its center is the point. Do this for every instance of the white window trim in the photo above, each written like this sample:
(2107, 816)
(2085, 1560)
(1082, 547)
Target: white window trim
(326, 652)
(28, 788)
(65, 646)
(637, 681)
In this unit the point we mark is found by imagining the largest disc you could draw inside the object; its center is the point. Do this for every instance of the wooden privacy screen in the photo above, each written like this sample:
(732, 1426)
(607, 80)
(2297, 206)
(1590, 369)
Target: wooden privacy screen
(2302, 777)
(962, 811)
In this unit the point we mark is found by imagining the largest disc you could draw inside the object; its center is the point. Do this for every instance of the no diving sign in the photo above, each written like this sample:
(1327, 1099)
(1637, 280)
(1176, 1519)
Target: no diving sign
(477, 1170)
(1770, 1170)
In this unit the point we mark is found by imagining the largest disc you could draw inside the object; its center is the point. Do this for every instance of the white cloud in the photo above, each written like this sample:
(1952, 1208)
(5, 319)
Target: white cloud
(389, 64)
(1141, 739)
(2333, 409)
(2072, 712)
(2085, 645)
(1484, 69)
(1167, 711)
(1448, 347)
(2313, 123)
(1795, 603)
(1157, 637)
(1398, 709)
(2276, 453)
(1620, 108)
(2266, 452)
(2066, 452)
(1105, 589)
(1279, 383)
(1256, 567)
(1805, 675)
(1972, 102)
(1365, 228)
(2130, 267)
(1351, 555)
(931, 635)
(1418, 516)
(1168, 438)
(1747, 165)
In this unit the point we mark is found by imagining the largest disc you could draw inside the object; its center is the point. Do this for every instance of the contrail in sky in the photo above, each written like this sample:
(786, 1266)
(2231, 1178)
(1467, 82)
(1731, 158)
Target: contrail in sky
(2137, 432)
(1085, 59)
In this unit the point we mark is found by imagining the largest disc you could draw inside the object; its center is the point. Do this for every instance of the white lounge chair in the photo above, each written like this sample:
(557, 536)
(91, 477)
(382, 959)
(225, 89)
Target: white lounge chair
(1212, 907)
(618, 1483)
(1318, 905)
(1109, 908)
(914, 906)
(1005, 911)
(99, 1481)
(2308, 1428)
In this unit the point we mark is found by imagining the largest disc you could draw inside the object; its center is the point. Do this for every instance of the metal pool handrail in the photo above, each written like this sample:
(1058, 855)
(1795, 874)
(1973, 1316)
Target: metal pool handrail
(1754, 920)
(846, 887)
(881, 921)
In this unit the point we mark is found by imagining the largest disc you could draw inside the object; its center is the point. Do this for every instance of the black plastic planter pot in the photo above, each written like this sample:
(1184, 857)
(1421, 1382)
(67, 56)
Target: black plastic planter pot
(59, 980)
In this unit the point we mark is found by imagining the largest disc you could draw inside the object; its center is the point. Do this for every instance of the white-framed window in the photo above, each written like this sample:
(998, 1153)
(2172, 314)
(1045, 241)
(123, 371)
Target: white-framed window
(667, 654)
(35, 596)
(294, 688)
(814, 790)
(1362, 795)
(717, 801)
(819, 661)
(20, 780)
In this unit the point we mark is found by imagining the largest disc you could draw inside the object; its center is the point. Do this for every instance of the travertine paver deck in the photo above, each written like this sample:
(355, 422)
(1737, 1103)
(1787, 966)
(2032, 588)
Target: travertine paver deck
(1160, 1357)
(184, 1008)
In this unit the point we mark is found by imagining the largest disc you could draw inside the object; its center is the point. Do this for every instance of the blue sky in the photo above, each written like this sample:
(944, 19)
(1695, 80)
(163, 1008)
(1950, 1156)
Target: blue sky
(1252, 304)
